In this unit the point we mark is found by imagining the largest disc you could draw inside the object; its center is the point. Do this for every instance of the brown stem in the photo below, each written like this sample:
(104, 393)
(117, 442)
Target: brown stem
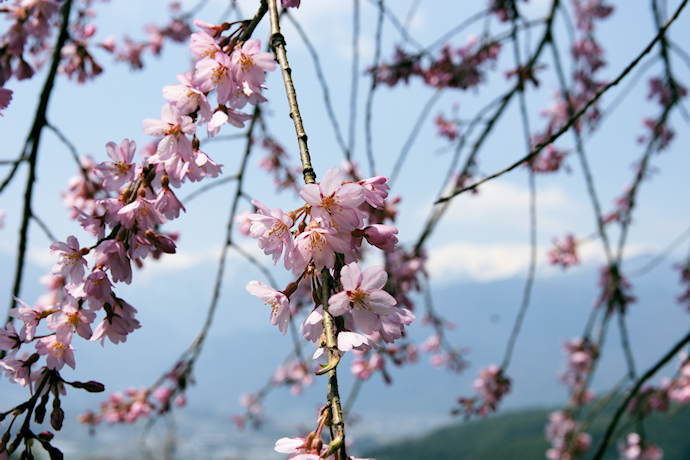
(278, 46)
(333, 355)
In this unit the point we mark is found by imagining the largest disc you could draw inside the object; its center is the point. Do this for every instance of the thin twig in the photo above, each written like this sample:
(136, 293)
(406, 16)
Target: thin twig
(413, 134)
(372, 89)
(32, 142)
(529, 283)
(603, 444)
(323, 82)
(577, 115)
(355, 79)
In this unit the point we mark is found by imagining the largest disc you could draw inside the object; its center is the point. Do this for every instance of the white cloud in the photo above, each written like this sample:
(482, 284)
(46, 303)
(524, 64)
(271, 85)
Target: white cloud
(505, 201)
(478, 262)
(463, 260)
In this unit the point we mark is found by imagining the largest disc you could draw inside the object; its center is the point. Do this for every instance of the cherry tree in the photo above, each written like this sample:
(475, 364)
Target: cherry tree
(337, 271)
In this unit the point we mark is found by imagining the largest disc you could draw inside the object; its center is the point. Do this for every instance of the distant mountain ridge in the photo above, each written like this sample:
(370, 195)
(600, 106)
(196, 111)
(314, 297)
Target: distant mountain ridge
(520, 435)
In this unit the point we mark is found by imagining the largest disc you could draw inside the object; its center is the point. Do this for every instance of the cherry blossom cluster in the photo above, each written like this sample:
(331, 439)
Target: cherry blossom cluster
(503, 9)
(634, 449)
(685, 280)
(666, 92)
(405, 270)
(368, 362)
(453, 68)
(622, 208)
(441, 354)
(275, 163)
(177, 30)
(123, 203)
(567, 441)
(525, 73)
(236, 71)
(679, 387)
(491, 386)
(588, 60)
(446, 128)
(564, 253)
(254, 411)
(329, 231)
(311, 446)
(582, 355)
(659, 398)
(31, 25)
(78, 57)
(615, 290)
(650, 399)
(294, 374)
(550, 159)
(325, 236)
(133, 404)
(25, 41)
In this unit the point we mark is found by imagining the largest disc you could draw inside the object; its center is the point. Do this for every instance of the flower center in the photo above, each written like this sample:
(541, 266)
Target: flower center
(57, 349)
(247, 62)
(359, 299)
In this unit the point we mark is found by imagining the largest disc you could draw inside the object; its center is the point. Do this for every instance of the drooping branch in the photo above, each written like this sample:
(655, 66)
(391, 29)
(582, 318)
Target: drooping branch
(32, 145)
(603, 444)
(576, 116)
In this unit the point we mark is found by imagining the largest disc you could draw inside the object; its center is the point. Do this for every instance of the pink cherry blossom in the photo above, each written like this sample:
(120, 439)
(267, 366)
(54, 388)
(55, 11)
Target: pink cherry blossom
(491, 385)
(392, 325)
(290, 445)
(352, 341)
(96, 289)
(249, 65)
(188, 96)
(118, 323)
(9, 338)
(244, 223)
(16, 370)
(279, 303)
(70, 259)
(212, 30)
(112, 254)
(224, 115)
(335, 203)
(633, 449)
(566, 438)
(30, 316)
(201, 165)
(71, 318)
(215, 72)
(318, 244)
(312, 327)
(5, 98)
(141, 213)
(363, 368)
(272, 230)
(203, 45)
(168, 204)
(121, 170)
(175, 128)
(294, 373)
(363, 296)
(58, 352)
(375, 191)
(382, 236)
